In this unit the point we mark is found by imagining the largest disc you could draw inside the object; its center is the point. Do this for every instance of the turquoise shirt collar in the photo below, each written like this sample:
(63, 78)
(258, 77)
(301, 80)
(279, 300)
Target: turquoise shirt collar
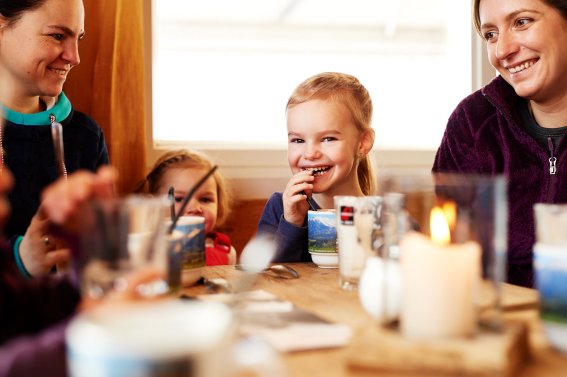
(61, 110)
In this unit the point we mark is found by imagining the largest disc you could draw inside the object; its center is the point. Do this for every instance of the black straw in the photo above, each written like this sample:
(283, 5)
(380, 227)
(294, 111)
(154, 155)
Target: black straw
(310, 201)
(171, 197)
(188, 197)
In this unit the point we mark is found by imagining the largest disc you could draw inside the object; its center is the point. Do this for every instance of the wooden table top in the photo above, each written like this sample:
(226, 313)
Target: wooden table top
(317, 291)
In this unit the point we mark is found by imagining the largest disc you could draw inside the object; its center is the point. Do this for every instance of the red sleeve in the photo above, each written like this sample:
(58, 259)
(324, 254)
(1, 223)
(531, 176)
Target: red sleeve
(218, 253)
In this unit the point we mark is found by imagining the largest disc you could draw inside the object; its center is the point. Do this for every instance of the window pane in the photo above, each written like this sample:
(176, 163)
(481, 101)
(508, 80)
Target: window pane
(223, 69)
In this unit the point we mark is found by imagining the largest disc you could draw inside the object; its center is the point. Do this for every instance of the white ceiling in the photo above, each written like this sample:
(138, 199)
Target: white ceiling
(383, 14)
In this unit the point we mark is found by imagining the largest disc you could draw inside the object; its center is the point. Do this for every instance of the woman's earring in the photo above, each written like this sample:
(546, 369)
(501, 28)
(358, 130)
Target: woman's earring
(360, 155)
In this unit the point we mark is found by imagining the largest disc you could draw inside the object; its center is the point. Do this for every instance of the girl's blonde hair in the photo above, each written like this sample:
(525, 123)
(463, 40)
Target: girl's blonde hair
(186, 159)
(349, 92)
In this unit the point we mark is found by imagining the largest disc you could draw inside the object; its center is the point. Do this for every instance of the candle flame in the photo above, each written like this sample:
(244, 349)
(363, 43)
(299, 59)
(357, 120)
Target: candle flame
(440, 232)
(450, 212)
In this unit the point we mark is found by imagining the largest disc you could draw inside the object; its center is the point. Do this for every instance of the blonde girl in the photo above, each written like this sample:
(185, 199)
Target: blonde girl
(329, 139)
(181, 170)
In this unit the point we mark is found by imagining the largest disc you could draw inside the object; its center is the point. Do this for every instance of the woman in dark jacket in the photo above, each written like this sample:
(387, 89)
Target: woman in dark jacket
(38, 48)
(515, 125)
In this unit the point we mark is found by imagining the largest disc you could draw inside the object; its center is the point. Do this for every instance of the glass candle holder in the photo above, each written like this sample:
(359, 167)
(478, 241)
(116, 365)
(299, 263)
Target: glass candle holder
(436, 267)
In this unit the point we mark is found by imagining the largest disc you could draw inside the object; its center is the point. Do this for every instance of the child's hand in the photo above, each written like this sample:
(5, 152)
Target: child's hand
(294, 197)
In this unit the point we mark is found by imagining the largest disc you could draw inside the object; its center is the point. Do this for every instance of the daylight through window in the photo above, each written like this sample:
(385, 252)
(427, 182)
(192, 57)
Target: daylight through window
(223, 69)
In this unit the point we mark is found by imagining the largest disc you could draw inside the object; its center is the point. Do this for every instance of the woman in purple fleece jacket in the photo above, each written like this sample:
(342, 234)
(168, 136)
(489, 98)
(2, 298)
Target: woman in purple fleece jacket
(515, 124)
(34, 313)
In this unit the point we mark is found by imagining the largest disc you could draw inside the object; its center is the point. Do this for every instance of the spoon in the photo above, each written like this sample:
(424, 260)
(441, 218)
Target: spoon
(280, 271)
(255, 258)
(256, 255)
(217, 285)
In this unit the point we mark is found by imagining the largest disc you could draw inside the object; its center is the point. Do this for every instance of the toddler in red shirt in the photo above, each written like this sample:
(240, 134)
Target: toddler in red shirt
(182, 169)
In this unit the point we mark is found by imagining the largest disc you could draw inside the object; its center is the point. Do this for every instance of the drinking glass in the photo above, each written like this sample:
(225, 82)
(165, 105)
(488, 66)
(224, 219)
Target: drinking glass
(358, 227)
(118, 237)
(479, 206)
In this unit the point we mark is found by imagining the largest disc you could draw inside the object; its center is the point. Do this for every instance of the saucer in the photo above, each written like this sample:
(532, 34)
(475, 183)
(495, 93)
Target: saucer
(556, 335)
(325, 260)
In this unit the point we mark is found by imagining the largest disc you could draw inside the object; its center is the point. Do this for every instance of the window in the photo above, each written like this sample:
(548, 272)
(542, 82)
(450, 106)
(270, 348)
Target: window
(222, 71)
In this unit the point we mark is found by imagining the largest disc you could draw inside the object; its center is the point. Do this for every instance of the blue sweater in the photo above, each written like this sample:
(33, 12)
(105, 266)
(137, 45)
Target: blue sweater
(291, 240)
(30, 156)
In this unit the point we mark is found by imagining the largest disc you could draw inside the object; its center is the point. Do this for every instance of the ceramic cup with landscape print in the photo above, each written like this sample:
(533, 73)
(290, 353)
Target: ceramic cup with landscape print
(322, 238)
(550, 266)
(193, 230)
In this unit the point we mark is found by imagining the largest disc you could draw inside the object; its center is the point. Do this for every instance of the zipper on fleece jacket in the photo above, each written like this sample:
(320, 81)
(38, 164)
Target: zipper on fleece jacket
(552, 189)
(552, 159)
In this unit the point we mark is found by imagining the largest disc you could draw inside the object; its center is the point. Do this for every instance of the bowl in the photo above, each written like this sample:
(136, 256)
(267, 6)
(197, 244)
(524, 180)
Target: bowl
(148, 338)
(325, 260)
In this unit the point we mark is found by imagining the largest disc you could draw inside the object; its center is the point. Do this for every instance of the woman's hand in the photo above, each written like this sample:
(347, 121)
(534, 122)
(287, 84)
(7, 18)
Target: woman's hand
(39, 250)
(294, 197)
(63, 200)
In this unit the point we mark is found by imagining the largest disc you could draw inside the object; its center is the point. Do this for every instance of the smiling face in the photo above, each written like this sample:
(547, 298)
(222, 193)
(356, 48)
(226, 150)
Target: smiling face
(205, 200)
(38, 50)
(322, 137)
(526, 43)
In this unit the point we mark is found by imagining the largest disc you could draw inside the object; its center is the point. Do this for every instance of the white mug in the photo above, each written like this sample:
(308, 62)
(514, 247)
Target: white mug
(169, 337)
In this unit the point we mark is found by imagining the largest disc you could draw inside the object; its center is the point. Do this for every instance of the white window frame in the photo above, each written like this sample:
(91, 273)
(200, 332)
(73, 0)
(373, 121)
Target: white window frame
(256, 172)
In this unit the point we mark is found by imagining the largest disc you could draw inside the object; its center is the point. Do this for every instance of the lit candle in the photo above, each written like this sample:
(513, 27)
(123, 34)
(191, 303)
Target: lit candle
(439, 282)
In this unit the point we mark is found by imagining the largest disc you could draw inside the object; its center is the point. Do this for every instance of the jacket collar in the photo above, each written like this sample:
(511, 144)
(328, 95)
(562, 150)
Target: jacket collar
(503, 96)
(61, 110)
